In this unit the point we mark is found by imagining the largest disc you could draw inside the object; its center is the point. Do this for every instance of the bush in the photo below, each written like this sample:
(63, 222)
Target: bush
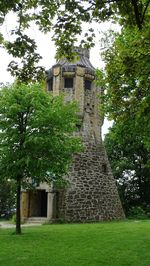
(14, 218)
(137, 213)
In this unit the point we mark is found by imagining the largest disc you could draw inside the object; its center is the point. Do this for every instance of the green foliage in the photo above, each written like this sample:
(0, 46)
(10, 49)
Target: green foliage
(69, 26)
(65, 18)
(7, 198)
(127, 81)
(25, 48)
(126, 100)
(14, 218)
(129, 159)
(36, 135)
(21, 46)
(60, 184)
(137, 213)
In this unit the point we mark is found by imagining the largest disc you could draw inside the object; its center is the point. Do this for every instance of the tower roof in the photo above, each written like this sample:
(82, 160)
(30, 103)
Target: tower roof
(83, 61)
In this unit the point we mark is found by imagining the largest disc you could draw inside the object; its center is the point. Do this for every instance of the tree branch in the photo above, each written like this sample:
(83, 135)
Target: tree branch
(137, 14)
(147, 4)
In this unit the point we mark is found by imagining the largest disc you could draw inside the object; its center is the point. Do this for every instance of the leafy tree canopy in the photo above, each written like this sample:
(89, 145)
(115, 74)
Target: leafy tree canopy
(36, 133)
(65, 18)
(126, 81)
(36, 136)
(129, 159)
(126, 100)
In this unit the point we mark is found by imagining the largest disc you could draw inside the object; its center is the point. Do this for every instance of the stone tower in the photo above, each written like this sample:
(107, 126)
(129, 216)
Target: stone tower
(92, 194)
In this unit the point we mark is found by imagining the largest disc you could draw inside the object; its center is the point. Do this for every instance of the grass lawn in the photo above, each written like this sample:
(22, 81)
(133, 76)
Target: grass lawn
(114, 244)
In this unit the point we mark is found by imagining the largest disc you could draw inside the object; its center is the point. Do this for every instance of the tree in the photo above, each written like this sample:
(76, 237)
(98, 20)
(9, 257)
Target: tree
(126, 81)
(36, 136)
(129, 161)
(126, 100)
(65, 18)
(69, 22)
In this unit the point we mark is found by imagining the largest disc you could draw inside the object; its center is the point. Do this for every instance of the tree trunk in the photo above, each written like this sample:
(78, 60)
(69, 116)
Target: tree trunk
(137, 14)
(18, 215)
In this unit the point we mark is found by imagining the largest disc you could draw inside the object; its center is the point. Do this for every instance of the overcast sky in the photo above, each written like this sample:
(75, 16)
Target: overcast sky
(47, 49)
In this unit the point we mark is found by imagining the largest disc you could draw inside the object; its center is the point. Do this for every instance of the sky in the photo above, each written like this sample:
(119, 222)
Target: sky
(47, 50)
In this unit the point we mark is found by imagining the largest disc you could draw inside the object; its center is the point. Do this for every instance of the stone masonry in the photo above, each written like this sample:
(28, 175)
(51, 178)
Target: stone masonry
(92, 194)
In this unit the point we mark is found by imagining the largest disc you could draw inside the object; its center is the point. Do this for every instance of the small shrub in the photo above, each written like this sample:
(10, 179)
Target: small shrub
(137, 213)
(14, 218)
(60, 221)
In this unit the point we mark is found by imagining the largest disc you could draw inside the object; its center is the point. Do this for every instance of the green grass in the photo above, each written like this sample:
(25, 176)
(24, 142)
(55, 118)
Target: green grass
(113, 244)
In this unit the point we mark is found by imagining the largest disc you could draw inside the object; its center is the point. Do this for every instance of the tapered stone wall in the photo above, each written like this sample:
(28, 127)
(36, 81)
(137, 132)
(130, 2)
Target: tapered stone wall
(92, 194)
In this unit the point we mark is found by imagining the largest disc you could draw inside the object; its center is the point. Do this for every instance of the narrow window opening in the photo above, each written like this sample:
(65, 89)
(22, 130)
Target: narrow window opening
(68, 83)
(104, 168)
(88, 84)
(50, 84)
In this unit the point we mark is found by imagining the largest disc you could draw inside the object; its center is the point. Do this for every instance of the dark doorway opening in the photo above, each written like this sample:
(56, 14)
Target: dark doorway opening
(38, 203)
(43, 203)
